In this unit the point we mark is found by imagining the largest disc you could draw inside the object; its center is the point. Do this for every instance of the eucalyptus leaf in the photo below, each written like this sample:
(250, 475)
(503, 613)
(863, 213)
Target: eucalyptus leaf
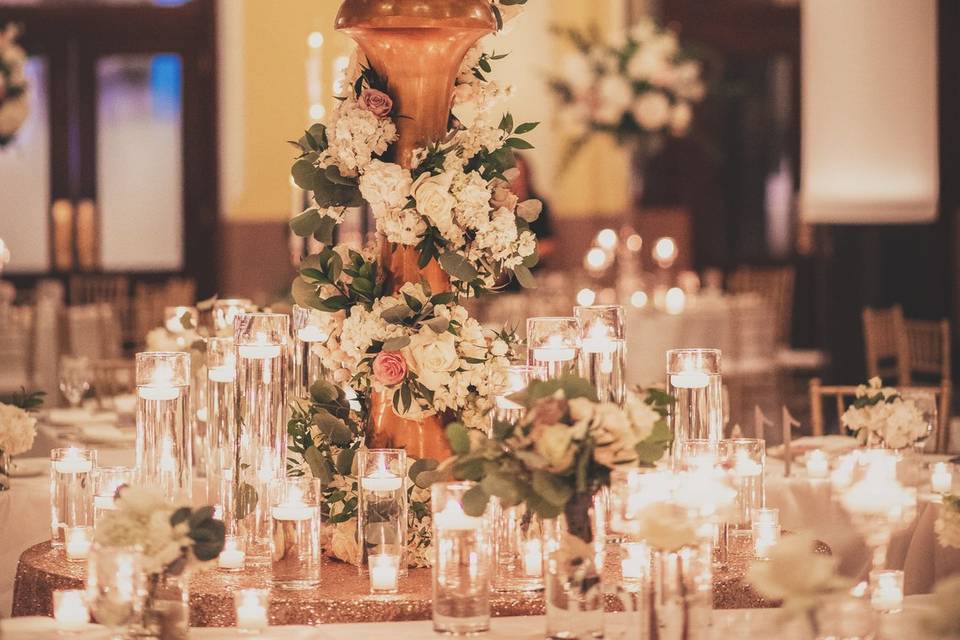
(438, 325)
(475, 501)
(458, 437)
(304, 175)
(396, 314)
(502, 486)
(420, 466)
(458, 267)
(395, 344)
(525, 277)
(305, 294)
(345, 461)
(306, 223)
(552, 489)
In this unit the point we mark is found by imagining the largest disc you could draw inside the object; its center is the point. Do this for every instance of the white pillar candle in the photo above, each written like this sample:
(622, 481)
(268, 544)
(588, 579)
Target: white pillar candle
(532, 559)
(78, 541)
(251, 609)
(232, 558)
(941, 478)
(554, 354)
(224, 373)
(70, 610)
(384, 572)
(818, 467)
(690, 380)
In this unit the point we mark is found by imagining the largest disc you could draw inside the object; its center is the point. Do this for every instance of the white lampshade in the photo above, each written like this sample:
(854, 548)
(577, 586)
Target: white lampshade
(869, 115)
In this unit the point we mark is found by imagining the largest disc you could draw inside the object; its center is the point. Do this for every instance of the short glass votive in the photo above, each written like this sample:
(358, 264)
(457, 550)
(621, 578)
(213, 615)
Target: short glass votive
(233, 557)
(384, 573)
(744, 459)
(886, 591)
(697, 454)
(107, 481)
(114, 586)
(164, 449)
(77, 543)
(71, 490)
(602, 350)
(70, 610)
(295, 527)
(517, 548)
(462, 559)
(252, 608)
(554, 344)
(941, 477)
(519, 377)
(309, 333)
(693, 378)
(382, 516)
(765, 536)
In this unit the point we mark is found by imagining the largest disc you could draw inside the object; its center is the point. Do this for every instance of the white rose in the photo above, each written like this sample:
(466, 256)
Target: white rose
(432, 357)
(680, 117)
(555, 445)
(645, 64)
(385, 183)
(434, 200)
(581, 409)
(499, 348)
(614, 95)
(652, 110)
(666, 526)
(17, 430)
(642, 416)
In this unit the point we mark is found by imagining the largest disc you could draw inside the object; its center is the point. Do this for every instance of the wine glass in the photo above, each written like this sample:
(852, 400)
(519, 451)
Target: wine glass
(926, 402)
(114, 587)
(74, 379)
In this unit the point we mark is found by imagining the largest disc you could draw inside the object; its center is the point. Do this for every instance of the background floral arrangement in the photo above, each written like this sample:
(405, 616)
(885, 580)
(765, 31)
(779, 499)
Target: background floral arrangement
(14, 103)
(640, 88)
(947, 525)
(880, 413)
(562, 451)
(18, 426)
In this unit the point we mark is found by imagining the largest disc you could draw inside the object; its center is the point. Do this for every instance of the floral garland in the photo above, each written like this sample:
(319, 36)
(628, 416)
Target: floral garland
(640, 87)
(14, 103)
(880, 413)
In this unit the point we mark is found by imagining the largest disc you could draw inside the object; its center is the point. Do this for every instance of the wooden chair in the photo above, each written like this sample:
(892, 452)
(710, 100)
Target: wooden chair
(884, 336)
(927, 348)
(775, 286)
(112, 289)
(111, 377)
(843, 396)
(150, 300)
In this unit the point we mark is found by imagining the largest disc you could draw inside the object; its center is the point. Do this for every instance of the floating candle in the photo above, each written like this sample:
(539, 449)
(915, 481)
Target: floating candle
(78, 541)
(260, 350)
(452, 518)
(251, 608)
(224, 373)
(690, 380)
(384, 572)
(941, 478)
(311, 333)
(382, 480)
(232, 558)
(293, 508)
(73, 462)
(532, 558)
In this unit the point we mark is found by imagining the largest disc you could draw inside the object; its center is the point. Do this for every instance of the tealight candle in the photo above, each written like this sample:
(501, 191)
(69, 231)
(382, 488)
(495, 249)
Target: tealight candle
(532, 559)
(70, 610)
(554, 353)
(941, 478)
(765, 535)
(384, 572)
(223, 373)
(78, 541)
(232, 558)
(452, 518)
(637, 556)
(251, 609)
(690, 380)
(73, 462)
(293, 509)
(261, 350)
(382, 480)
(886, 591)
(818, 467)
(312, 333)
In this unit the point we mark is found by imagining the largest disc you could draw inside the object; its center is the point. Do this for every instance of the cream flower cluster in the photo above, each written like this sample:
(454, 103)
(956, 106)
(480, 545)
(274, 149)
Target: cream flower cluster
(142, 517)
(17, 430)
(355, 136)
(896, 422)
(637, 83)
(796, 574)
(947, 525)
(14, 102)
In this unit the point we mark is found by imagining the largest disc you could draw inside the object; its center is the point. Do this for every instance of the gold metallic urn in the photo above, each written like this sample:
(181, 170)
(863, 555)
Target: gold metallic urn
(417, 46)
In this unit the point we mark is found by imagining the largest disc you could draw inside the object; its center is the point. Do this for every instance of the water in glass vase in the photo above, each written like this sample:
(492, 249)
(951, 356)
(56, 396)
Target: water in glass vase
(461, 585)
(603, 366)
(698, 410)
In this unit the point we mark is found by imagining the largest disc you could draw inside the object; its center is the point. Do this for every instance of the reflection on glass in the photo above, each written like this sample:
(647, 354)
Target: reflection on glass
(139, 161)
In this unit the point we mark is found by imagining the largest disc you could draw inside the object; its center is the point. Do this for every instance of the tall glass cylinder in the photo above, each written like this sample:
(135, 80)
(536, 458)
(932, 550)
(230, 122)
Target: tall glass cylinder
(295, 524)
(603, 350)
(71, 491)
(308, 334)
(744, 459)
(107, 481)
(260, 442)
(693, 378)
(164, 429)
(383, 502)
(519, 377)
(220, 435)
(517, 547)
(225, 312)
(462, 560)
(554, 344)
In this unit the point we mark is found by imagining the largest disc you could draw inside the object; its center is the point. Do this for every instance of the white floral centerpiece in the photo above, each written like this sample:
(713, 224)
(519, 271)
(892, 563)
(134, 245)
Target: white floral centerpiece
(639, 87)
(18, 428)
(880, 415)
(14, 101)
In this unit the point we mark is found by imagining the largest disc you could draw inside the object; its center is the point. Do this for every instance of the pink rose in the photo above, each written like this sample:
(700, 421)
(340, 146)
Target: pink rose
(389, 368)
(376, 102)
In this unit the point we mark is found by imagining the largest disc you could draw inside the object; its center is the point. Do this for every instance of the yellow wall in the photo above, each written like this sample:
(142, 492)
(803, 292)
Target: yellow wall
(263, 52)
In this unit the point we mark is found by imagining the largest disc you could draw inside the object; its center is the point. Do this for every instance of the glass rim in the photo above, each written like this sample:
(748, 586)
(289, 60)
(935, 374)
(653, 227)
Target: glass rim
(598, 306)
(574, 318)
(79, 450)
(140, 355)
(695, 350)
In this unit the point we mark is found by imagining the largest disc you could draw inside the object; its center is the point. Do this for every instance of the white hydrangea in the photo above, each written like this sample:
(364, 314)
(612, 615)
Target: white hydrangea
(17, 430)
(355, 136)
(385, 185)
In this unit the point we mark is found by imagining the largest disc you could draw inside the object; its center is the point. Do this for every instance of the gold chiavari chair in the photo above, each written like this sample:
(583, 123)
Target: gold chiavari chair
(927, 349)
(150, 300)
(112, 377)
(884, 338)
(775, 286)
(843, 396)
(112, 289)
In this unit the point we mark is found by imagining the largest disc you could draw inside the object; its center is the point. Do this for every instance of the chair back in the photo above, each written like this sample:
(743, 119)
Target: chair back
(93, 332)
(151, 299)
(111, 289)
(884, 339)
(775, 286)
(843, 395)
(928, 349)
(112, 377)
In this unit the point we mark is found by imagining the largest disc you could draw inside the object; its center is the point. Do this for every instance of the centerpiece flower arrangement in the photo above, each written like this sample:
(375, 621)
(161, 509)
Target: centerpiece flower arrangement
(18, 427)
(640, 88)
(947, 525)
(173, 540)
(406, 340)
(879, 415)
(14, 103)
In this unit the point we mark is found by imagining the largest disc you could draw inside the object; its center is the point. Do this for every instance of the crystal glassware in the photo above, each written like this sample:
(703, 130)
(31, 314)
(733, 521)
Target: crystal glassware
(107, 481)
(603, 350)
(71, 490)
(164, 449)
(462, 560)
(74, 379)
(693, 379)
(295, 532)
(382, 516)
(553, 343)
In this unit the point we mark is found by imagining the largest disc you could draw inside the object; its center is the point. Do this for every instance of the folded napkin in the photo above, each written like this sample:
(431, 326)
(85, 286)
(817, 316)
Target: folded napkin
(832, 445)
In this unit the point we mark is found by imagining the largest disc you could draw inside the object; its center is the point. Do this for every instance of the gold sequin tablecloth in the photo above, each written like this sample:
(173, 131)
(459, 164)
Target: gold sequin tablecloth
(343, 595)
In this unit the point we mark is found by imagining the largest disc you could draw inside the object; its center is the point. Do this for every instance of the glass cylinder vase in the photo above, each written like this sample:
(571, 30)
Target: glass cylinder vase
(573, 588)
(744, 459)
(680, 594)
(519, 377)
(553, 343)
(164, 430)
(517, 548)
(693, 378)
(115, 587)
(308, 335)
(295, 527)
(220, 436)
(107, 481)
(382, 516)
(261, 346)
(166, 607)
(71, 490)
(603, 350)
(461, 567)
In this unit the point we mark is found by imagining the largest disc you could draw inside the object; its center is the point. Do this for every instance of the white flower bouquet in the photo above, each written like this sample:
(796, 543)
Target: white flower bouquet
(880, 415)
(14, 102)
(17, 429)
(640, 87)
